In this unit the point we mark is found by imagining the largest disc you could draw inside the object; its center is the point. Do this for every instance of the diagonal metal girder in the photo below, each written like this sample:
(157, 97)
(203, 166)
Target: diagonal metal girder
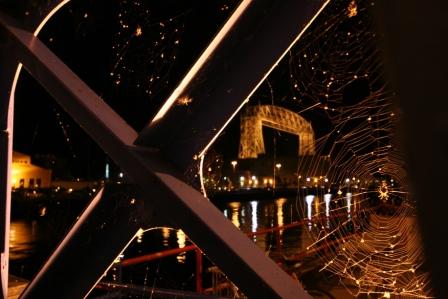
(9, 70)
(234, 253)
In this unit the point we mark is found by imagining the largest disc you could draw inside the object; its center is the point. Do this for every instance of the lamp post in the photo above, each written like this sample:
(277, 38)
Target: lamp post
(234, 163)
(277, 167)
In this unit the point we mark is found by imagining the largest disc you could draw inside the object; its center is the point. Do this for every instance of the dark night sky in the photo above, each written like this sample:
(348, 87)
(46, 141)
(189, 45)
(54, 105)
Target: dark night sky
(135, 73)
(98, 41)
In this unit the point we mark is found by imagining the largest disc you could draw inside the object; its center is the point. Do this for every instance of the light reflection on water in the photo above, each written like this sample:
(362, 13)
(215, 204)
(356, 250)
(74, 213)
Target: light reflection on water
(253, 205)
(181, 241)
(22, 238)
(235, 206)
(259, 215)
(250, 216)
(166, 236)
(280, 220)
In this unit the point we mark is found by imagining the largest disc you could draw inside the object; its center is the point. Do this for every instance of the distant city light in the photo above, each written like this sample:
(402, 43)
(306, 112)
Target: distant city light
(120, 175)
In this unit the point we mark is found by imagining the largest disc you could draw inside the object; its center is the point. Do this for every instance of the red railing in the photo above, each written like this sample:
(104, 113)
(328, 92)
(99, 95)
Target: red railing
(170, 252)
(199, 265)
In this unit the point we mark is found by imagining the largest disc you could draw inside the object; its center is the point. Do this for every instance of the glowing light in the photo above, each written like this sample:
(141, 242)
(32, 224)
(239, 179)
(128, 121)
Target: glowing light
(316, 205)
(383, 191)
(349, 202)
(309, 200)
(327, 199)
(280, 203)
(106, 171)
(254, 206)
(235, 206)
(181, 242)
(166, 232)
(49, 16)
(184, 101)
(181, 238)
(138, 31)
(140, 236)
(201, 175)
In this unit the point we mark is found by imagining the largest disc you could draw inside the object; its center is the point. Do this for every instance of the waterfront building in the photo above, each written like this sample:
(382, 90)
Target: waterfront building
(27, 175)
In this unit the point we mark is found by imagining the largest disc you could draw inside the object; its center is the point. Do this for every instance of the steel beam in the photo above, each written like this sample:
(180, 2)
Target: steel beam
(6, 130)
(8, 75)
(105, 228)
(159, 182)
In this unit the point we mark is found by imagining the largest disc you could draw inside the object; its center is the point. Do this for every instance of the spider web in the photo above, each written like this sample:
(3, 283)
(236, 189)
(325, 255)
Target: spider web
(367, 229)
(354, 190)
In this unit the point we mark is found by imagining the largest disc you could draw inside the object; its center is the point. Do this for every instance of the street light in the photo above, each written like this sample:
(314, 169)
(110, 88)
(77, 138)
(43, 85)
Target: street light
(234, 163)
(278, 166)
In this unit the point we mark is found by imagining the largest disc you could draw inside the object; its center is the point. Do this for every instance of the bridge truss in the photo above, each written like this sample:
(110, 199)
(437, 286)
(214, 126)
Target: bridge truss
(255, 117)
(152, 159)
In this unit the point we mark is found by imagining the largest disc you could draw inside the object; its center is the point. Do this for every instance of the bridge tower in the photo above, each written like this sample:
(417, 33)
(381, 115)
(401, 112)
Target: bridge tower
(255, 117)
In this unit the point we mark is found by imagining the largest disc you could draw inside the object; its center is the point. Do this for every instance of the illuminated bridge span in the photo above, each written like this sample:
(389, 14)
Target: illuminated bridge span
(255, 117)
